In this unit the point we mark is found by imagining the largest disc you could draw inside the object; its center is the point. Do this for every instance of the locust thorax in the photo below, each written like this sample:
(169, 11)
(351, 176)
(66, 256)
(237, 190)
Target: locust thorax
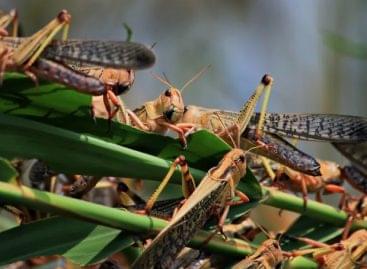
(329, 169)
(171, 105)
(271, 249)
(356, 244)
(234, 162)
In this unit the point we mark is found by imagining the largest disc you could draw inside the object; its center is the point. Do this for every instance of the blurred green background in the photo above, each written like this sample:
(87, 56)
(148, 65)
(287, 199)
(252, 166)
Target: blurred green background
(315, 50)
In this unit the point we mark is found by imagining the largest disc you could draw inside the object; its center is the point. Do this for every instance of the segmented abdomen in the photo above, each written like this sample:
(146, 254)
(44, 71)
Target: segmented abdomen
(58, 73)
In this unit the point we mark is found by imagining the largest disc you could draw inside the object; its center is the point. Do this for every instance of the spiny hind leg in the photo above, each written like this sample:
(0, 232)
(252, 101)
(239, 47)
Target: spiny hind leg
(188, 183)
(249, 107)
(29, 50)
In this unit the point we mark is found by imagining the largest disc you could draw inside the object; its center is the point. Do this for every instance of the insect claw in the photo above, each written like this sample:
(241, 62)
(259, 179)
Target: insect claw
(32, 76)
(109, 129)
(92, 113)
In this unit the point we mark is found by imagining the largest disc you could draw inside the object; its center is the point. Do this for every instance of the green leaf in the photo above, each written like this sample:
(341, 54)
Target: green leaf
(7, 171)
(74, 153)
(82, 242)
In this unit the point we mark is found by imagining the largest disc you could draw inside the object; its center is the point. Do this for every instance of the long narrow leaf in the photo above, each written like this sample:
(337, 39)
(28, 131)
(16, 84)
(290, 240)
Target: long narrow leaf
(82, 242)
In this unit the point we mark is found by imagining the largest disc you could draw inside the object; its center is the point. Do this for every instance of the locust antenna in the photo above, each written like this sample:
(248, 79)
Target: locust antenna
(166, 78)
(162, 80)
(195, 77)
(225, 129)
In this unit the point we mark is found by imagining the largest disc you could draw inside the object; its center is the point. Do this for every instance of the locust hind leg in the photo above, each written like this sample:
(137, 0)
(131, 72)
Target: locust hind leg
(248, 109)
(333, 188)
(188, 183)
(29, 50)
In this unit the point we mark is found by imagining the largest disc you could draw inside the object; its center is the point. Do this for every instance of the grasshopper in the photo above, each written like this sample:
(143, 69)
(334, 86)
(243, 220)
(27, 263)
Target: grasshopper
(344, 255)
(213, 196)
(184, 120)
(162, 114)
(320, 127)
(268, 255)
(212, 193)
(41, 56)
(328, 182)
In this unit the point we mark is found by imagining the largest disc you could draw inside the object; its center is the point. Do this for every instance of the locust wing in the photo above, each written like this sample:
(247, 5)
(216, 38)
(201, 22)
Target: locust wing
(114, 54)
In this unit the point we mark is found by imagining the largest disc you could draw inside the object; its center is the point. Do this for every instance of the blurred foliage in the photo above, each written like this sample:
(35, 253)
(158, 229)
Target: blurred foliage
(345, 46)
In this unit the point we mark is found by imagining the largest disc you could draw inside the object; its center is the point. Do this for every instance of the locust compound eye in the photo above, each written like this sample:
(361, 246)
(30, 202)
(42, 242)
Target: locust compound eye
(242, 158)
(169, 114)
(122, 88)
(167, 93)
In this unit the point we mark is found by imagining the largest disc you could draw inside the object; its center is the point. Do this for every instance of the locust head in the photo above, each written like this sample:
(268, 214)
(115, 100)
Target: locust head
(234, 163)
(120, 80)
(171, 105)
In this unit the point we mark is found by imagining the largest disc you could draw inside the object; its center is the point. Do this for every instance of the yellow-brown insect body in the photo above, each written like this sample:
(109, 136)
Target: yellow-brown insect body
(205, 118)
(168, 107)
(268, 255)
(280, 150)
(216, 188)
(354, 248)
(330, 171)
(120, 80)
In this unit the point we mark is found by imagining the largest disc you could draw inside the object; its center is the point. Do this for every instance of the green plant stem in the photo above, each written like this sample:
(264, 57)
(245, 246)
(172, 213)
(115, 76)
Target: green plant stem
(315, 210)
(301, 263)
(112, 217)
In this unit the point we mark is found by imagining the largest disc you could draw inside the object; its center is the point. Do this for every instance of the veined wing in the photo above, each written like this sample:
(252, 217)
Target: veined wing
(182, 227)
(306, 126)
(114, 54)
(89, 53)
(279, 149)
(325, 127)
(356, 153)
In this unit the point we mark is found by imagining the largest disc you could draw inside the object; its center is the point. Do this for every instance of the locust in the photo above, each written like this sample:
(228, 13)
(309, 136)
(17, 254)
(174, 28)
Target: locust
(162, 114)
(213, 196)
(329, 181)
(169, 112)
(215, 191)
(347, 254)
(268, 255)
(41, 56)
(338, 129)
